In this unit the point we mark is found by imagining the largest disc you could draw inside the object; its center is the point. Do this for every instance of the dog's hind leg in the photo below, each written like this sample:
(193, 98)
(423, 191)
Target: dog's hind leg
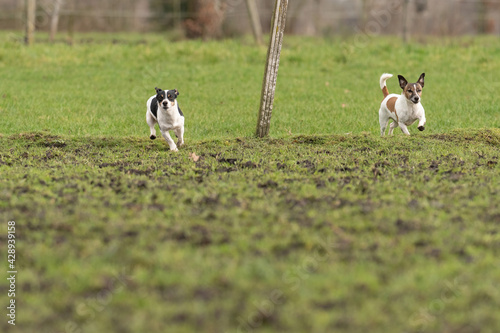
(150, 120)
(384, 120)
(393, 125)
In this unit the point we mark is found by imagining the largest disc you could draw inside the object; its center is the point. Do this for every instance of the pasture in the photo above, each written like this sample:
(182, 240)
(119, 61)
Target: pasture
(322, 227)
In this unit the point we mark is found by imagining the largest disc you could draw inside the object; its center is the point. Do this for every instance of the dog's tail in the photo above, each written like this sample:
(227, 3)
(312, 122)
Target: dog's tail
(383, 86)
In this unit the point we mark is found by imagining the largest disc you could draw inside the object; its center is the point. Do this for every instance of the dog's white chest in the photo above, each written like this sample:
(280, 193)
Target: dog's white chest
(170, 119)
(411, 113)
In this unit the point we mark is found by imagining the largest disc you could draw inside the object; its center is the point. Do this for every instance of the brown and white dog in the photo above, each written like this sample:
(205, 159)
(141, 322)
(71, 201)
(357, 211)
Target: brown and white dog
(403, 109)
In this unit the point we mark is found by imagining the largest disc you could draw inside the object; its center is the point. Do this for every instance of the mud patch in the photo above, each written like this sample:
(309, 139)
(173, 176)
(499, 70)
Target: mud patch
(43, 139)
(268, 184)
(311, 140)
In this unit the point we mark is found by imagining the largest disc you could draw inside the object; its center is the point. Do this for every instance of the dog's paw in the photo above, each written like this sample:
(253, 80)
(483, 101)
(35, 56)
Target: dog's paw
(421, 128)
(174, 149)
(152, 137)
(180, 143)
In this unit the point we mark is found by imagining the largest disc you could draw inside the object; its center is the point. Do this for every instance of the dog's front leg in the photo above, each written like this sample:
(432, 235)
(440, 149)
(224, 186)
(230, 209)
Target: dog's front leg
(421, 124)
(179, 132)
(169, 140)
(404, 129)
(151, 123)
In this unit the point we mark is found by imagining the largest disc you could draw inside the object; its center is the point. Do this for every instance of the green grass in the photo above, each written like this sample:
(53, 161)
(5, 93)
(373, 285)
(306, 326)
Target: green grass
(324, 86)
(323, 227)
(343, 233)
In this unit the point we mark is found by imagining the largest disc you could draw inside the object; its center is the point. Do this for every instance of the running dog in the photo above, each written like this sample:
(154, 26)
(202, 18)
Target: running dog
(403, 109)
(163, 109)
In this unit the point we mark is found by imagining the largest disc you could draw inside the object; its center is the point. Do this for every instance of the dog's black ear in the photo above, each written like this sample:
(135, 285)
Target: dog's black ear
(176, 92)
(421, 79)
(402, 81)
(158, 90)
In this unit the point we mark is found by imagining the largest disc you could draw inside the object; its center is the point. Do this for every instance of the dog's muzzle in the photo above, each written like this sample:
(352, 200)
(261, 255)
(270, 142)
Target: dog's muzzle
(415, 100)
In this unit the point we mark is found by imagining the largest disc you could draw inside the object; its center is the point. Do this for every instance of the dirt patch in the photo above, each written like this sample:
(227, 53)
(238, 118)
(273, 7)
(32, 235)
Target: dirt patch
(308, 165)
(231, 161)
(42, 139)
(312, 140)
(268, 184)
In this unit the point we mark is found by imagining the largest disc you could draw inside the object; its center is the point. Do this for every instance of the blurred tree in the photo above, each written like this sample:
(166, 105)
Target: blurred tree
(294, 12)
(54, 19)
(30, 21)
(421, 5)
(366, 7)
(253, 14)
(170, 12)
(481, 16)
(207, 19)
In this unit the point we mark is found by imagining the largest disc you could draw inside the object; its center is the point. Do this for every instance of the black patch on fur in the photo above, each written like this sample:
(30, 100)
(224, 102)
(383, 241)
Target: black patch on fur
(180, 112)
(154, 107)
(172, 95)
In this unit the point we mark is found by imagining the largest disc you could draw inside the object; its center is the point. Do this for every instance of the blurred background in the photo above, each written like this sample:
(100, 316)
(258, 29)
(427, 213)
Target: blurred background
(229, 18)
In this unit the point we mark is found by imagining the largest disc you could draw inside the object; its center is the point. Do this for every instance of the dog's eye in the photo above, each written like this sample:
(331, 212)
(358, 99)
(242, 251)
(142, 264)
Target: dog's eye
(409, 90)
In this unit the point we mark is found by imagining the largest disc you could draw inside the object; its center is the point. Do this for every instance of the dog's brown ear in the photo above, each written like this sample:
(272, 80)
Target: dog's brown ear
(421, 79)
(402, 81)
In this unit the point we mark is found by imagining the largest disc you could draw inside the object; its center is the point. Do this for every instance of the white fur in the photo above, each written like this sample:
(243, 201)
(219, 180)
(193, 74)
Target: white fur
(168, 120)
(384, 78)
(407, 112)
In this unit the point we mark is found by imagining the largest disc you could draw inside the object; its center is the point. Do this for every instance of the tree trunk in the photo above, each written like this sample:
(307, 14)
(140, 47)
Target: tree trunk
(54, 20)
(405, 22)
(30, 21)
(254, 20)
(271, 72)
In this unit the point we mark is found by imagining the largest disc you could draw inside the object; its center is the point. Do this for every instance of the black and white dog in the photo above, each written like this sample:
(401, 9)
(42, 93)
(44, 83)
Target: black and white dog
(163, 109)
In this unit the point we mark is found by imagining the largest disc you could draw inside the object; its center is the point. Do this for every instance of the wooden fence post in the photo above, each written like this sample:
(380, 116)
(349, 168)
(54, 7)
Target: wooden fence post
(272, 64)
(54, 20)
(177, 14)
(254, 20)
(30, 21)
(405, 22)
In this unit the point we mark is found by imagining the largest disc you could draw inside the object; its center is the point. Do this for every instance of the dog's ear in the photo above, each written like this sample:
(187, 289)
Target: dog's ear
(402, 81)
(421, 80)
(176, 92)
(158, 90)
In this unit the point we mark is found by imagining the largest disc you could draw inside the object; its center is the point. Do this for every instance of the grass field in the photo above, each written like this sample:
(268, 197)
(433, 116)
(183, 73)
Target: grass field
(323, 227)
(324, 87)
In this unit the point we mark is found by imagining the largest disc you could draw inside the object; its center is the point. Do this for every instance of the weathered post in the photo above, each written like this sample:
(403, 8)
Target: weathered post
(254, 20)
(405, 21)
(30, 21)
(178, 14)
(54, 20)
(272, 64)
